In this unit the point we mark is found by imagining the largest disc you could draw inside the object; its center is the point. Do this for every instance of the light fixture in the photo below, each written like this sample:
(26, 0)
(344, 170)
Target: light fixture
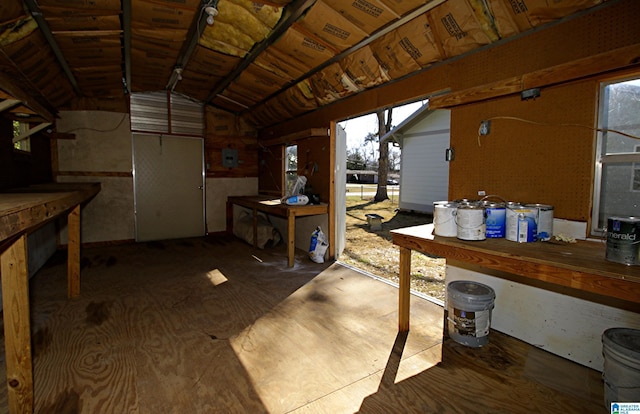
(176, 76)
(212, 12)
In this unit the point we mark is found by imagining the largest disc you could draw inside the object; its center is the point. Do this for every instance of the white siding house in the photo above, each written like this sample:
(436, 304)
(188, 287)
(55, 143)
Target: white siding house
(424, 172)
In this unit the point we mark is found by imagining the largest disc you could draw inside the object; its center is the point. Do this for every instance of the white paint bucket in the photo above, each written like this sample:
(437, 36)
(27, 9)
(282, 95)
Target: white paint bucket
(621, 372)
(470, 222)
(444, 219)
(521, 225)
(469, 306)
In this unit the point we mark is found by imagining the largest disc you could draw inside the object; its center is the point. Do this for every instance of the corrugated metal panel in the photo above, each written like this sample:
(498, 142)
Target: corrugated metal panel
(150, 113)
(187, 116)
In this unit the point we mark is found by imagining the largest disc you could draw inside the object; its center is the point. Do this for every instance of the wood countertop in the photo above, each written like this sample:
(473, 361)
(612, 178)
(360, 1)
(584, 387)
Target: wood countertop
(275, 206)
(581, 265)
(25, 208)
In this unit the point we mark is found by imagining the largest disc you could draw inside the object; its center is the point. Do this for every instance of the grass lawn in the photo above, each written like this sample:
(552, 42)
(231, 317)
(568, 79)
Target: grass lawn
(374, 252)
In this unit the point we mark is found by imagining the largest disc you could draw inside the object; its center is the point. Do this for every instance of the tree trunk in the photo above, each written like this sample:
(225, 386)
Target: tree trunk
(383, 161)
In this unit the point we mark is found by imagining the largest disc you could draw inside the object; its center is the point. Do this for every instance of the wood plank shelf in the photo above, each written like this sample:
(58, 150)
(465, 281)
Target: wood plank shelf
(579, 266)
(21, 212)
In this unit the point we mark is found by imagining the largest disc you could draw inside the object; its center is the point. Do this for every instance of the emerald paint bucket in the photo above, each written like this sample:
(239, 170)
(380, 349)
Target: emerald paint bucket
(623, 240)
(469, 306)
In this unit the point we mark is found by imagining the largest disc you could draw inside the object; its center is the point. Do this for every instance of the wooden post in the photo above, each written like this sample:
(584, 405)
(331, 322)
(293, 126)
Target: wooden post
(404, 289)
(255, 227)
(73, 252)
(291, 237)
(17, 329)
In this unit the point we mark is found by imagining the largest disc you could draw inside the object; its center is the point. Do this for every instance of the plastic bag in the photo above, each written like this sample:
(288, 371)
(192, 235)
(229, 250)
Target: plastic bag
(319, 245)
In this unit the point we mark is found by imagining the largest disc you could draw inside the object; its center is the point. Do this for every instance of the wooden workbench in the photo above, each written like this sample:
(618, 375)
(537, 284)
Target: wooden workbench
(579, 266)
(269, 205)
(21, 212)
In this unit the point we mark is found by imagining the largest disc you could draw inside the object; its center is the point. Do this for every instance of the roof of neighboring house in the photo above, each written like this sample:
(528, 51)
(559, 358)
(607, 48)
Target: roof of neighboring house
(411, 120)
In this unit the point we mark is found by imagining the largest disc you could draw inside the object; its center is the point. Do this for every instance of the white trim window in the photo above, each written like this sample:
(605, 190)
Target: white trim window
(617, 174)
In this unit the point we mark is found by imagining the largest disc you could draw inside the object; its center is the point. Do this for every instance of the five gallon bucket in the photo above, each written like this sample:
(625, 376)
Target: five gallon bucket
(469, 306)
(621, 373)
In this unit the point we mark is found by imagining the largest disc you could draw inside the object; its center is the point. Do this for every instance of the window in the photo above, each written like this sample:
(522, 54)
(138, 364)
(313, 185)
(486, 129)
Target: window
(20, 128)
(617, 180)
(291, 168)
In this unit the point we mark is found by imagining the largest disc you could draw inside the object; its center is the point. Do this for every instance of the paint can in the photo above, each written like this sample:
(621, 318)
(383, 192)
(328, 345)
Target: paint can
(469, 306)
(521, 225)
(470, 221)
(544, 220)
(444, 218)
(623, 240)
(621, 372)
(496, 215)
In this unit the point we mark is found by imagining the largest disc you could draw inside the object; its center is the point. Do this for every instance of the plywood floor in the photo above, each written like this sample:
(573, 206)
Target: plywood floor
(214, 326)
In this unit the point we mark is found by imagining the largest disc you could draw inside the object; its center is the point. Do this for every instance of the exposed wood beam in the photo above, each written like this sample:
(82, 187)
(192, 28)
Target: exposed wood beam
(31, 131)
(305, 134)
(8, 103)
(126, 29)
(87, 33)
(366, 41)
(60, 135)
(593, 65)
(294, 11)
(11, 87)
(198, 25)
(46, 31)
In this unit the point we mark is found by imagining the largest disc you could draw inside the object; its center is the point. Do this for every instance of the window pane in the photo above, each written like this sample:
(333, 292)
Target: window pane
(291, 168)
(616, 197)
(623, 114)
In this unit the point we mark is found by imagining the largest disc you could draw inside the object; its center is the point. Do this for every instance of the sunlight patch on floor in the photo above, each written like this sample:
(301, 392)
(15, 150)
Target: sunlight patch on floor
(216, 277)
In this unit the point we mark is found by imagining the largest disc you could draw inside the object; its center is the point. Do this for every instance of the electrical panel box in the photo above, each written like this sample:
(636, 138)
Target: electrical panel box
(229, 158)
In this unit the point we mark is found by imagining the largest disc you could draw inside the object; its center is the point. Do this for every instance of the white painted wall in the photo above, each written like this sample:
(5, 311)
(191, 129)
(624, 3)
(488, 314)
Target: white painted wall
(217, 191)
(563, 325)
(103, 145)
(424, 174)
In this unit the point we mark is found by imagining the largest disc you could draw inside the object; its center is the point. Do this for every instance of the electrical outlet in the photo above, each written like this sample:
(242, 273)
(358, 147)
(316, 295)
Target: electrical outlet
(485, 127)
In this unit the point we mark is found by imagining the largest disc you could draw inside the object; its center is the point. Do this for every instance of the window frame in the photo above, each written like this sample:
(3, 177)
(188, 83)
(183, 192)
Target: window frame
(290, 172)
(602, 158)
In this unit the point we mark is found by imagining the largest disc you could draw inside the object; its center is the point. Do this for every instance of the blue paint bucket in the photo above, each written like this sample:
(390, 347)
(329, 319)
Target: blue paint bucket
(496, 216)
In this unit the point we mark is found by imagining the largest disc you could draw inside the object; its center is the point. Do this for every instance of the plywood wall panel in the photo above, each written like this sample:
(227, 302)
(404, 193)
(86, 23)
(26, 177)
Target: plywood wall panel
(533, 154)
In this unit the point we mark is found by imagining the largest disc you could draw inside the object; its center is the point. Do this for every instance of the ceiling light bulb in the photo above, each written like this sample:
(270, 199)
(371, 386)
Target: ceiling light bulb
(212, 12)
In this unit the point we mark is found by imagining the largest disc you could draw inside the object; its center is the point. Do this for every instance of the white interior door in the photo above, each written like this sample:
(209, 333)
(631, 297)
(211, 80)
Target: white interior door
(341, 190)
(168, 186)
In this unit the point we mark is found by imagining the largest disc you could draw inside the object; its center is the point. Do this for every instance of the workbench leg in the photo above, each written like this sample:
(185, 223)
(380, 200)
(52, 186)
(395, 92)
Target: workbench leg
(255, 227)
(17, 329)
(73, 252)
(291, 238)
(229, 218)
(404, 290)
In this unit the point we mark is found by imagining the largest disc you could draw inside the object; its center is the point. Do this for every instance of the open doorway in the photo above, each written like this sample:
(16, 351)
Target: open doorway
(367, 223)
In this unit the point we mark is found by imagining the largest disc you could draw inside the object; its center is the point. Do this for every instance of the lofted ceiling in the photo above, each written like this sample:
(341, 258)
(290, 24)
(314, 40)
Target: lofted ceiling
(268, 60)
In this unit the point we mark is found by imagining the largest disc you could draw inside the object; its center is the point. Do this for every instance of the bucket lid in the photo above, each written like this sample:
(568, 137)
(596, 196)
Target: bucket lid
(623, 340)
(471, 291)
